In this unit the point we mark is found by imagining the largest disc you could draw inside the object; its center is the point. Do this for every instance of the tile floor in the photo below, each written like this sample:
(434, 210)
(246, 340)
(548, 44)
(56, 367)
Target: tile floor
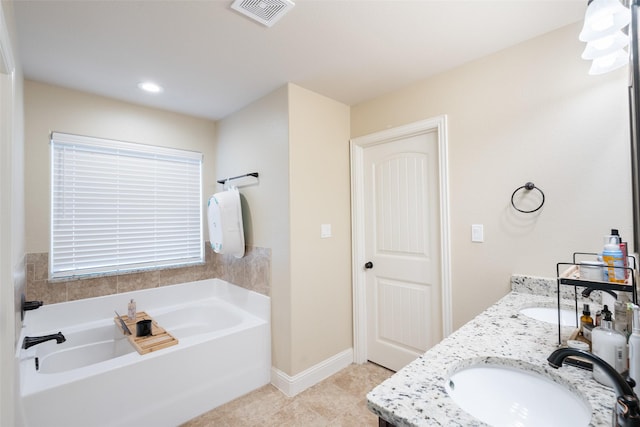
(338, 401)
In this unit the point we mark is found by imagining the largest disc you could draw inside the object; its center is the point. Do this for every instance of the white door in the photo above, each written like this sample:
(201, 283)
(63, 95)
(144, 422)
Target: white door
(402, 248)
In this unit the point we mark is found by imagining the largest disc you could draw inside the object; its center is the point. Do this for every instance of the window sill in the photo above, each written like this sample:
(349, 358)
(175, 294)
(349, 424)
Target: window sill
(79, 277)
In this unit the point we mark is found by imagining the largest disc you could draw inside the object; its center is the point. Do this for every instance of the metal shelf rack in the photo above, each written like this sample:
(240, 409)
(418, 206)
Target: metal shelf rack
(568, 274)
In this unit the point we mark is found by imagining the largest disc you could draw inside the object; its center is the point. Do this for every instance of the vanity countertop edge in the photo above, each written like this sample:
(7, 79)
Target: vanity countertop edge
(416, 394)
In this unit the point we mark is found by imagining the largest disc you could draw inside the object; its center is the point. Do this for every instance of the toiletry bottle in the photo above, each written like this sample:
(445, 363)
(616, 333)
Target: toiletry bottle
(625, 259)
(611, 346)
(624, 249)
(131, 310)
(605, 271)
(634, 348)
(586, 320)
(613, 259)
(621, 317)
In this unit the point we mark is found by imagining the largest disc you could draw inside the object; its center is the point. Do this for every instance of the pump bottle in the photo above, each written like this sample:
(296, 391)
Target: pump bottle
(611, 346)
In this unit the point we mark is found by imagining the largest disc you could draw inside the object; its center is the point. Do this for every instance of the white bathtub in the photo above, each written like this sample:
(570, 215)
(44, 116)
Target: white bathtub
(96, 378)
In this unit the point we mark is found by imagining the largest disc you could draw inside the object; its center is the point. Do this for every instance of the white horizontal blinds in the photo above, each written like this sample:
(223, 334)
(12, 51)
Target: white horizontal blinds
(120, 206)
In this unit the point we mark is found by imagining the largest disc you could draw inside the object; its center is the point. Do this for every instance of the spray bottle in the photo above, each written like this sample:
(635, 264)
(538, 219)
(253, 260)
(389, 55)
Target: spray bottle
(634, 348)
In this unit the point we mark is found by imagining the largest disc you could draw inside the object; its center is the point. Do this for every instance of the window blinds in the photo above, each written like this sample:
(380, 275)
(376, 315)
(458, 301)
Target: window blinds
(118, 206)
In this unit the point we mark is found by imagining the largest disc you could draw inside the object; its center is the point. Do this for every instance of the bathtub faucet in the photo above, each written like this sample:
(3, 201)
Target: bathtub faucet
(31, 341)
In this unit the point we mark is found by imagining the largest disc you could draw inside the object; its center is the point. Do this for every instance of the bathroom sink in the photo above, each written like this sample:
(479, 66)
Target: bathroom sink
(502, 395)
(550, 315)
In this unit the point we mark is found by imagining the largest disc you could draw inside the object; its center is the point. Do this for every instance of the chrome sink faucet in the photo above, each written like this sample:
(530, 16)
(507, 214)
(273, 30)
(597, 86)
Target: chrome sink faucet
(31, 341)
(626, 411)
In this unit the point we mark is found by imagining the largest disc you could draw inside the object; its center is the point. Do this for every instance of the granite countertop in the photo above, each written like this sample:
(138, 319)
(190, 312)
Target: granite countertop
(416, 395)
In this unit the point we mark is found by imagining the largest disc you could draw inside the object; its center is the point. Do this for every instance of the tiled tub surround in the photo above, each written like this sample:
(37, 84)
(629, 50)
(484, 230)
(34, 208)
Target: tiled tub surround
(416, 395)
(252, 272)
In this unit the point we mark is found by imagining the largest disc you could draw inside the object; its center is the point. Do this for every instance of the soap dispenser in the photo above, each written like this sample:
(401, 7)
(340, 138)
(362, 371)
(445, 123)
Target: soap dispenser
(611, 346)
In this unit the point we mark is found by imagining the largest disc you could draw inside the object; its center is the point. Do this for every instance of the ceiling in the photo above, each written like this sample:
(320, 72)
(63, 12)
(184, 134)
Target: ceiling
(212, 60)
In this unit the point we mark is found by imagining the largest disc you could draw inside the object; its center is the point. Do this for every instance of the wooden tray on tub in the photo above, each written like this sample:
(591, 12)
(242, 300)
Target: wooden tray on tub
(158, 339)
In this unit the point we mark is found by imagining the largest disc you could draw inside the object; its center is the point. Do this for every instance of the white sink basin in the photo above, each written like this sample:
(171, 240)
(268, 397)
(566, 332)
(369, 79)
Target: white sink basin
(550, 315)
(502, 395)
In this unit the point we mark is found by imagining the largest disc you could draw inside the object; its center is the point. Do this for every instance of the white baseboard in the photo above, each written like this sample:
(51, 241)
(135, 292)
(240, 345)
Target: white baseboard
(312, 376)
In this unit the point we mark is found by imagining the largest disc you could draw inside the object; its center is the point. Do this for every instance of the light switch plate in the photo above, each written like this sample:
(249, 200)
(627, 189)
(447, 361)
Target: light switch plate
(477, 233)
(325, 230)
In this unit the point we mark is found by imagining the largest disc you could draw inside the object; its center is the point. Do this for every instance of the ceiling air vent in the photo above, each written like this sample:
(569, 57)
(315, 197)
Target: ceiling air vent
(266, 12)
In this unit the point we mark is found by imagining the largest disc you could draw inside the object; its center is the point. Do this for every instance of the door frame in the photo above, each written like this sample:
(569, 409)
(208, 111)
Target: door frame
(357, 147)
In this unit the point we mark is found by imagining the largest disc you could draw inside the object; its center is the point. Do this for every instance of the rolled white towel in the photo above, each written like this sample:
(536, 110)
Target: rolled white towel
(226, 231)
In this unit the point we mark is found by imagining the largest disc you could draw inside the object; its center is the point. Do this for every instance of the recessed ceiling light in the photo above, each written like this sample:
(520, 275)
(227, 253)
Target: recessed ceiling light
(150, 87)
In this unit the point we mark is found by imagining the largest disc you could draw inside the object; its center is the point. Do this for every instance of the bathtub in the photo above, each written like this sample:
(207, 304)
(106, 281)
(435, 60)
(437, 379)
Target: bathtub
(97, 378)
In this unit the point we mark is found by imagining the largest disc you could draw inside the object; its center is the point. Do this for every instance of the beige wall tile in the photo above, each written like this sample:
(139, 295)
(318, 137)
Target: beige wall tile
(90, 288)
(38, 265)
(137, 281)
(174, 276)
(48, 293)
(252, 272)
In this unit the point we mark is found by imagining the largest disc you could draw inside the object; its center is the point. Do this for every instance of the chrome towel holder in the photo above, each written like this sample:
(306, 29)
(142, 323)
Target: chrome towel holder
(527, 187)
(225, 180)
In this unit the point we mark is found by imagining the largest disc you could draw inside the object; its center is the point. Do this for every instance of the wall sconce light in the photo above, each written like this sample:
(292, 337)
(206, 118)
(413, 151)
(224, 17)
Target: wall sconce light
(604, 22)
(609, 62)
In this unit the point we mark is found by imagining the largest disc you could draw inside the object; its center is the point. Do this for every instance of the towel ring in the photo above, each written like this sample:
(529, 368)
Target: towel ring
(528, 186)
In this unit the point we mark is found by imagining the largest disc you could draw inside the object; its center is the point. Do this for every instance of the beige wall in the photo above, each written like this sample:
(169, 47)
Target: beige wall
(298, 141)
(12, 242)
(52, 108)
(528, 113)
(320, 194)
(256, 139)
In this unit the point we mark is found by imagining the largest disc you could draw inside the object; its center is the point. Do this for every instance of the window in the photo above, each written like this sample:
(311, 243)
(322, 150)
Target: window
(118, 206)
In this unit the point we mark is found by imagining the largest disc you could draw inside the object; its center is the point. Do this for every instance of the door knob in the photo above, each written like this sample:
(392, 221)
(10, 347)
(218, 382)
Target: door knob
(368, 265)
